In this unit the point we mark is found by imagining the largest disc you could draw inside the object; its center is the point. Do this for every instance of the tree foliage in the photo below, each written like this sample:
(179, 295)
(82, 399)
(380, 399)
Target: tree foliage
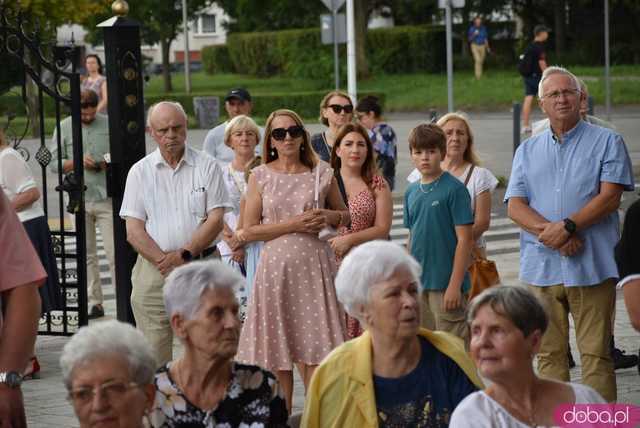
(160, 22)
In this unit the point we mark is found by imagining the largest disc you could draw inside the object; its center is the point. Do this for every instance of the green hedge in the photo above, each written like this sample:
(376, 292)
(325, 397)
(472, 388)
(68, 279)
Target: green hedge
(216, 59)
(406, 49)
(11, 102)
(306, 104)
(300, 53)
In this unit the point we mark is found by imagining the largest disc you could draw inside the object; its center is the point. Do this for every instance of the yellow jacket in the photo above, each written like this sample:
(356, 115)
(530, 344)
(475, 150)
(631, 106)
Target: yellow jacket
(341, 393)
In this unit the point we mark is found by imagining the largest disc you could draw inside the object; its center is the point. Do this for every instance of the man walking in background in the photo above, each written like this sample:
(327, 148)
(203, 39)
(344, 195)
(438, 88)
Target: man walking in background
(531, 65)
(479, 43)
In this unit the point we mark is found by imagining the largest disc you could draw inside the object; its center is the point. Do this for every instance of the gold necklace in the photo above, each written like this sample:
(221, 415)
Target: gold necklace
(433, 186)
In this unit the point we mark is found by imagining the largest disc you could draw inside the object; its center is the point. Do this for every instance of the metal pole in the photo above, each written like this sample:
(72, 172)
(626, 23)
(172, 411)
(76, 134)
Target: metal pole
(607, 76)
(516, 127)
(336, 55)
(187, 64)
(351, 53)
(449, 58)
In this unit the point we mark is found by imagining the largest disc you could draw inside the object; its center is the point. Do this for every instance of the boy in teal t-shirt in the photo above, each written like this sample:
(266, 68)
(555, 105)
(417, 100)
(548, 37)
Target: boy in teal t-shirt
(437, 211)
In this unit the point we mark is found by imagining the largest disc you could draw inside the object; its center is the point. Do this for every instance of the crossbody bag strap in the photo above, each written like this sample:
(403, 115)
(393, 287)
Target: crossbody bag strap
(466, 180)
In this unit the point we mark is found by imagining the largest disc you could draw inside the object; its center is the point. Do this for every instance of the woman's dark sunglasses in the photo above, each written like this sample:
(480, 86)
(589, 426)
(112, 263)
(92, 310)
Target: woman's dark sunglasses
(337, 108)
(280, 134)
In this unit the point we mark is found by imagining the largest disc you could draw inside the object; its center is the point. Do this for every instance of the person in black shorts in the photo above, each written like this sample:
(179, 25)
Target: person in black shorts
(536, 57)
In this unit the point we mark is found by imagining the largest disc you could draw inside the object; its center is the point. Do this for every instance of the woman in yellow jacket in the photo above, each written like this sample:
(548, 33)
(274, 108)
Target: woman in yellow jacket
(396, 373)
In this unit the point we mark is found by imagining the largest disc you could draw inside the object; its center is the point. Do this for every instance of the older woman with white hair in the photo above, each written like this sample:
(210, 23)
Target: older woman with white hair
(205, 387)
(108, 371)
(396, 373)
(506, 327)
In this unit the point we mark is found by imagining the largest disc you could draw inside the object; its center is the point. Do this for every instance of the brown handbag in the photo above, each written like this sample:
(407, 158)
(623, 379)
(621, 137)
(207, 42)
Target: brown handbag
(483, 272)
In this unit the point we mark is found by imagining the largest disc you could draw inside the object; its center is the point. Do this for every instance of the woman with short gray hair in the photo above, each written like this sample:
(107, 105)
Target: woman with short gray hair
(506, 326)
(205, 387)
(111, 360)
(370, 381)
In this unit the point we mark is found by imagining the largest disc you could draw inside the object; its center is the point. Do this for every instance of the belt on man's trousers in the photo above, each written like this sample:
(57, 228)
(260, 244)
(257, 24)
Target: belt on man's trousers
(206, 253)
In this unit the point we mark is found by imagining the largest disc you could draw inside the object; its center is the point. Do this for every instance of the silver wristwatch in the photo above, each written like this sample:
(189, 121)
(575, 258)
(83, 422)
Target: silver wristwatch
(12, 379)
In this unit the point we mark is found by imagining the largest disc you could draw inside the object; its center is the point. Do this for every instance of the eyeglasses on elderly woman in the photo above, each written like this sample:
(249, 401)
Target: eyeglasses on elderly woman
(108, 370)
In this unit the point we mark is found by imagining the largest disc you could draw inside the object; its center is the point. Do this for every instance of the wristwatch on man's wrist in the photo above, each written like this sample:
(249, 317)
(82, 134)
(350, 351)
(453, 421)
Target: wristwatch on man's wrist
(11, 379)
(570, 226)
(186, 255)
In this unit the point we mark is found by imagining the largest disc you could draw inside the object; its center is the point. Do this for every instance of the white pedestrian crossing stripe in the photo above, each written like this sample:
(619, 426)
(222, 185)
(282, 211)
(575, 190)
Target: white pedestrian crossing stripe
(503, 237)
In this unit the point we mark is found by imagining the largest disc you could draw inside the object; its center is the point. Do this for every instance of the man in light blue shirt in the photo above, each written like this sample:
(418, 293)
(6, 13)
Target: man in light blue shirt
(564, 191)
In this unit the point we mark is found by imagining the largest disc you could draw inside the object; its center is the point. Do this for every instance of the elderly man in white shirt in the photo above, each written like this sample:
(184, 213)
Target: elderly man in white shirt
(173, 205)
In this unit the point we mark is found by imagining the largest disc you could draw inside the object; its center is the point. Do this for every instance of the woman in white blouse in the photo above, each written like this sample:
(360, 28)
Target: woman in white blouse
(506, 325)
(462, 162)
(18, 184)
(241, 135)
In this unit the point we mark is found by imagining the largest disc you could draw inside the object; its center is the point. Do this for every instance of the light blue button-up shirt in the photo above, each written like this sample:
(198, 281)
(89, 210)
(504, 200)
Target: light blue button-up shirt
(559, 179)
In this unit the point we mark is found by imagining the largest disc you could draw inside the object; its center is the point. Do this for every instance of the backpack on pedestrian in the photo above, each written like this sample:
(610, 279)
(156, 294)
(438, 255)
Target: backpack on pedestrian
(525, 62)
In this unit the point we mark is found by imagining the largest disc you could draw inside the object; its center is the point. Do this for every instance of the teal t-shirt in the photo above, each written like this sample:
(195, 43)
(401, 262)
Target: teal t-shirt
(431, 212)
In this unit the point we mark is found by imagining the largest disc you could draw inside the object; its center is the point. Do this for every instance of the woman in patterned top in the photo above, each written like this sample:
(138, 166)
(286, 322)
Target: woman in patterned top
(366, 194)
(95, 81)
(205, 387)
(383, 137)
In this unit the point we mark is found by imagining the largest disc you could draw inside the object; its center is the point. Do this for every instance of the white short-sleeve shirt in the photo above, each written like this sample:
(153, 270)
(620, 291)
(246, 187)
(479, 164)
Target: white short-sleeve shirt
(174, 202)
(480, 181)
(478, 410)
(15, 178)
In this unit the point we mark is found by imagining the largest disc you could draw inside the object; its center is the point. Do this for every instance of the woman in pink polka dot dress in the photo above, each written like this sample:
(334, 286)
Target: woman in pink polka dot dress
(294, 316)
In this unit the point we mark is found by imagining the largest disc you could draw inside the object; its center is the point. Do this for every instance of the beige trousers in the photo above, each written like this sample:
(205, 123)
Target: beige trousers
(148, 309)
(479, 52)
(590, 308)
(98, 214)
(434, 317)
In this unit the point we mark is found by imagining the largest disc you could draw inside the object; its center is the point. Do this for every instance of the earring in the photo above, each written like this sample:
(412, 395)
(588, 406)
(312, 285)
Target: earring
(302, 148)
(273, 153)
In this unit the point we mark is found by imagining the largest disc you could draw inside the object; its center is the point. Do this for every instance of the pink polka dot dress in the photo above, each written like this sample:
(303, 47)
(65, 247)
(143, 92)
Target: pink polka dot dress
(293, 315)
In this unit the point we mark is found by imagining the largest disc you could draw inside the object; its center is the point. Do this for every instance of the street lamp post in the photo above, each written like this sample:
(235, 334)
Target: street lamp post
(187, 59)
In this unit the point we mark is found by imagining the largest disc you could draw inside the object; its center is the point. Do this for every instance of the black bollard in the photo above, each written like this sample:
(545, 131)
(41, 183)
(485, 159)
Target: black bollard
(516, 126)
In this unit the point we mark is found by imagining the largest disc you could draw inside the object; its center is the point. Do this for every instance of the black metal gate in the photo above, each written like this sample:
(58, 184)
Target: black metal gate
(51, 87)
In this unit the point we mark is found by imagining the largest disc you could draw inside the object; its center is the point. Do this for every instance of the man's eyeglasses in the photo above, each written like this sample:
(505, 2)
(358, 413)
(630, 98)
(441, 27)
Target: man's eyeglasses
(566, 93)
(280, 134)
(112, 391)
(337, 108)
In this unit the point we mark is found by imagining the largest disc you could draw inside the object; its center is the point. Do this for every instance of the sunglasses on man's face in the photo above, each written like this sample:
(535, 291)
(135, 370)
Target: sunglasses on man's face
(280, 134)
(337, 108)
